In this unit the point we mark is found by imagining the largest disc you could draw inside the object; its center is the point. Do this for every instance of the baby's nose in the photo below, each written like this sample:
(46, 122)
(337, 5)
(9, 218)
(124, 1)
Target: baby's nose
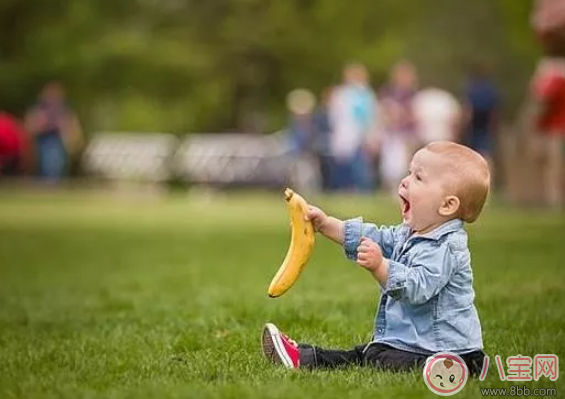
(404, 182)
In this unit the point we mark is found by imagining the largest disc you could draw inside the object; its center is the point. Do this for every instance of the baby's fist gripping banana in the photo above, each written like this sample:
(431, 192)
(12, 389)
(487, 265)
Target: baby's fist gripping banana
(301, 245)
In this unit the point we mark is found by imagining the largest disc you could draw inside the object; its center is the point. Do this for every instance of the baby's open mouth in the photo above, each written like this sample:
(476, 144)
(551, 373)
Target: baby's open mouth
(405, 205)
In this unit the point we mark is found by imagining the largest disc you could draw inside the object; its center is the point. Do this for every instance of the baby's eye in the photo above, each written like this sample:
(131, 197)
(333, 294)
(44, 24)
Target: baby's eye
(418, 177)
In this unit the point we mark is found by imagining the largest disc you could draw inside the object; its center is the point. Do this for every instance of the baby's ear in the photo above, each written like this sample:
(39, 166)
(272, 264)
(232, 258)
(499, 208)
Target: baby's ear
(450, 206)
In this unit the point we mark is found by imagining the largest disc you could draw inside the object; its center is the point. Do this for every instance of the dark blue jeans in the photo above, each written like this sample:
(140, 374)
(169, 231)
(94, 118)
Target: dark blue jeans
(51, 156)
(355, 173)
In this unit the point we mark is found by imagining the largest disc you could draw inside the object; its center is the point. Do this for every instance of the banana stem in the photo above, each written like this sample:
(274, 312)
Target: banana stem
(288, 193)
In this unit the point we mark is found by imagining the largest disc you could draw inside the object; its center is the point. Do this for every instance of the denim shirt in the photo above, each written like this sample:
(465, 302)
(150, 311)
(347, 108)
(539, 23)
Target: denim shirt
(426, 305)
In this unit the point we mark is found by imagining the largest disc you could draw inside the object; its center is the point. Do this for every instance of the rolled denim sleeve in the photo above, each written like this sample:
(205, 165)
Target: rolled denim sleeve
(354, 229)
(429, 273)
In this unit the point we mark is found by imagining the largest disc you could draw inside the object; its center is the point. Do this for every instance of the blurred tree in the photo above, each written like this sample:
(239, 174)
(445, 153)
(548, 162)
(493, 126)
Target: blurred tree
(172, 65)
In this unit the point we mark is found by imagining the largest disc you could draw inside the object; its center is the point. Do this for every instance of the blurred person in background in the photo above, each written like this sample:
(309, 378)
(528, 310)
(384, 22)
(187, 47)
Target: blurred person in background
(352, 115)
(309, 128)
(305, 137)
(481, 114)
(548, 95)
(548, 92)
(55, 131)
(301, 104)
(322, 133)
(12, 145)
(399, 138)
(437, 115)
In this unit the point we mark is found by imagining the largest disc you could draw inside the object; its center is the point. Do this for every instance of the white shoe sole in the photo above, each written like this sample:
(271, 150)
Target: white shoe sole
(273, 347)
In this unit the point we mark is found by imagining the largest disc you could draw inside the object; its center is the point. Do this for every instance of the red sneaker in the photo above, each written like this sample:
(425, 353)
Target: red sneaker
(279, 348)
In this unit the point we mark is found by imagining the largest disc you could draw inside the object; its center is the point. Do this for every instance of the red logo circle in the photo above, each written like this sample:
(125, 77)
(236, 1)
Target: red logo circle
(445, 373)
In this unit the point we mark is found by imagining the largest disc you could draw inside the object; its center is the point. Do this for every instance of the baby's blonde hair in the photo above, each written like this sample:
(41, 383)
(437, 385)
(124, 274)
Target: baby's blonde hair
(471, 182)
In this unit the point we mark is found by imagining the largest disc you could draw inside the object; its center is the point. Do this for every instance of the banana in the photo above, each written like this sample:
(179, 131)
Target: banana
(300, 248)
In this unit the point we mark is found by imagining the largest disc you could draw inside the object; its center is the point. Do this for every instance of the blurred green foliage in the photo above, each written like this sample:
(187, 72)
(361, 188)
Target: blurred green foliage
(173, 65)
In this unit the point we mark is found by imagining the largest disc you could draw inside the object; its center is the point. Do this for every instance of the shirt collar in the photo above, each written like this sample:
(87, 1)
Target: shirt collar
(448, 227)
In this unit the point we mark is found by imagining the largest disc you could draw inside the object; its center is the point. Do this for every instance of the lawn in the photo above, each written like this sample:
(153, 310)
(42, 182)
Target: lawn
(134, 297)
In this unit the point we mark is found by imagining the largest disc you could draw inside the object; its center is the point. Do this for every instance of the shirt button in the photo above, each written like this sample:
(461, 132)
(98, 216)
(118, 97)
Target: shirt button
(380, 330)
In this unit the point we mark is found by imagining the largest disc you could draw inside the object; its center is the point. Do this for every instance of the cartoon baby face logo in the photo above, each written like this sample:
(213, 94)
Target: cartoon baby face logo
(445, 373)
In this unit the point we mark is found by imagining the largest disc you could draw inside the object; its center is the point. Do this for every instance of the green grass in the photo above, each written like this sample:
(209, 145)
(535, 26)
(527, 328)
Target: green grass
(132, 297)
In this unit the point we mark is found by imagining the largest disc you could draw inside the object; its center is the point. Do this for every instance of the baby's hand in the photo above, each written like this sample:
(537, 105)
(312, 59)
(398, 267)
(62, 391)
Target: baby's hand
(369, 254)
(317, 217)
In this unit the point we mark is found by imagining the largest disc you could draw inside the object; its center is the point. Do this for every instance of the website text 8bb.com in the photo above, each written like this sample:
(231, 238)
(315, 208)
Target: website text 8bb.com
(517, 390)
